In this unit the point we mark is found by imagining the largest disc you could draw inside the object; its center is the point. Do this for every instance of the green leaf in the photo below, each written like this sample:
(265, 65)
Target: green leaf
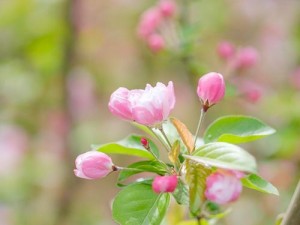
(181, 193)
(196, 178)
(236, 129)
(142, 166)
(224, 155)
(130, 145)
(255, 182)
(137, 204)
(174, 153)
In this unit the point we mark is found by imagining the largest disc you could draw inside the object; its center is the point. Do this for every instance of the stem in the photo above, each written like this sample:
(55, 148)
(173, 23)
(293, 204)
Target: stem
(165, 136)
(202, 114)
(292, 216)
(159, 138)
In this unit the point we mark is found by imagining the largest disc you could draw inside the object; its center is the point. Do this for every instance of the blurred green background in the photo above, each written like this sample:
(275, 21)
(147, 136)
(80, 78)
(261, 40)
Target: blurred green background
(60, 61)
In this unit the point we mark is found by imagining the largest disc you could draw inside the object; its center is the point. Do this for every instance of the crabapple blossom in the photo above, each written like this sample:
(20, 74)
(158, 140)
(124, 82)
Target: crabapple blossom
(211, 89)
(148, 107)
(167, 8)
(149, 22)
(223, 187)
(163, 184)
(226, 50)
(156, 42)
(246, 58)
(93, 165)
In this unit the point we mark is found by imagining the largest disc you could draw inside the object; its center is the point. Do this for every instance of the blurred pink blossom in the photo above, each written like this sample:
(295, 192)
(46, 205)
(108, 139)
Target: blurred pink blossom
(81, 92)
(148, 107)
(156, 42)
(223, 186)
(93, 165)
(163, 184)
(167, 8)
(149, 22)
(13, 144)
(245, 58)
(250, 91)
(226, 50)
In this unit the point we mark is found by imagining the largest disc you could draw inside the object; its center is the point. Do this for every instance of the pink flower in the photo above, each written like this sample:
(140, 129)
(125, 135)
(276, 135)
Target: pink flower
(163, 184)
(149, 21)
(223, 187)
(148, 107)
(93, 165)
(226, 50)
(119, 104)
(245, 58)
(167, 8)
(156, 42)
(211, 89)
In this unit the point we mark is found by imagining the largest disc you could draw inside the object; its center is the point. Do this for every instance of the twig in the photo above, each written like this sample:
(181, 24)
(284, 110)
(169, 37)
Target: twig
(292, 216)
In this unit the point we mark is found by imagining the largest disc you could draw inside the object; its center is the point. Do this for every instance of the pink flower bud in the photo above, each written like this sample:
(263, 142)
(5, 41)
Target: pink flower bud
(211, 89)
(245, 58)
(167, 8)
(163, 184)
(149, 21)
(226, 50)
(223, 187)
(145, 143)
(148, 107)
(93, 165)
(156, 42)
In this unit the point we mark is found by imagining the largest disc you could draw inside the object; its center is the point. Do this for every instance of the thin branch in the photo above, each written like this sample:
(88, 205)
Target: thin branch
(292, 216)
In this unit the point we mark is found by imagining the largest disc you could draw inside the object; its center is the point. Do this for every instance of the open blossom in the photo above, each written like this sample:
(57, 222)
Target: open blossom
(148, 107)
(93, 165)
(223, 187)
(163, 184)
(211, 89)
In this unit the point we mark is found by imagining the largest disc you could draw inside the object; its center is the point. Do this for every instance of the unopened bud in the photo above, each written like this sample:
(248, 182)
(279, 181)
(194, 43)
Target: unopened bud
(145, 143)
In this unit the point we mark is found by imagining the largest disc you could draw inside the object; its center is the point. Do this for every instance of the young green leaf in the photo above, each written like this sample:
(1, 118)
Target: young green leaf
(224, 155)
(174, 153)
(130, 145)
(236, 129)
(196, 175)
(137, 204)
(184, 133)
(255, 182)
(142, 166)
(181, 193)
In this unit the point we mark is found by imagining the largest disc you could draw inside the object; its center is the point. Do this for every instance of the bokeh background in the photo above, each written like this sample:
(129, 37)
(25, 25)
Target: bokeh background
(61, 59)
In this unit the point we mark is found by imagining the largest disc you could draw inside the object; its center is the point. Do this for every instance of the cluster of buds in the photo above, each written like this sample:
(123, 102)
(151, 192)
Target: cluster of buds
(152, 23)
(238, 59)
(242, 58)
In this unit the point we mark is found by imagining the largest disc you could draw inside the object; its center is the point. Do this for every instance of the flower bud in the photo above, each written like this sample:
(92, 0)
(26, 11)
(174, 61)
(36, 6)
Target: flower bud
(211, 89)
(145, 143)
(149, 22)
(226, 50)
(156, 42)
(245, 58)
(163, 184)
(223, 187)
(167, 8)
(93, 165)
